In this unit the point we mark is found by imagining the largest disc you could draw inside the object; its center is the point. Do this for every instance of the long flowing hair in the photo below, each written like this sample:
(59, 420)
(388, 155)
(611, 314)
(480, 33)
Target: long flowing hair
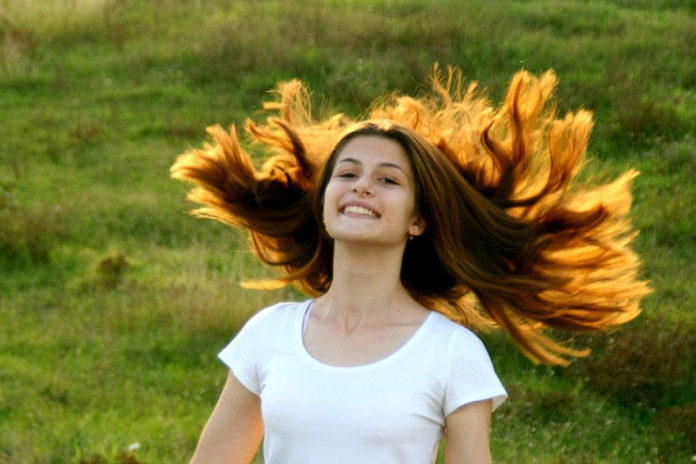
(513, 238)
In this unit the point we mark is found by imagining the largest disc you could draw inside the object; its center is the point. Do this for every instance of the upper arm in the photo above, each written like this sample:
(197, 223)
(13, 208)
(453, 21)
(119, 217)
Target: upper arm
(234, 431)
(467, 434)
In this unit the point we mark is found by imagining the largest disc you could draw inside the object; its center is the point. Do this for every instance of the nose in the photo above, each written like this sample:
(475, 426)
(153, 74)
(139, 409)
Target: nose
(362, 188)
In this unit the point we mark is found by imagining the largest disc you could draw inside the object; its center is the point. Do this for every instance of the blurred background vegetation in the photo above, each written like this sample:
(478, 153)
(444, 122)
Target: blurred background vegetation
(114, 302)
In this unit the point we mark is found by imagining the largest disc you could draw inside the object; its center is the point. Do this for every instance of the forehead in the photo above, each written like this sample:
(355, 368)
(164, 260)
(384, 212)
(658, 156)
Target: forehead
(375, 149)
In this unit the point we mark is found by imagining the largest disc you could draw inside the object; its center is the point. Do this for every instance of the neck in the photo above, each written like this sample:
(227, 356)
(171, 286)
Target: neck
(366, 287)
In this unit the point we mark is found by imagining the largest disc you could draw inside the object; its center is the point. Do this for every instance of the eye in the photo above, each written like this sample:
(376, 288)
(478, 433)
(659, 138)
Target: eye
(388, 180)
(346, 175)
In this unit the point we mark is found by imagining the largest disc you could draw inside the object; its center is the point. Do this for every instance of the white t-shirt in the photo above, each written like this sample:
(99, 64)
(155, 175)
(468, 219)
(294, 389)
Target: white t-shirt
(389, 411)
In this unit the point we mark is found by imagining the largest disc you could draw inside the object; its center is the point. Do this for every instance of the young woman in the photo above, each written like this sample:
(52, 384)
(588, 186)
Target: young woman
(432, 215)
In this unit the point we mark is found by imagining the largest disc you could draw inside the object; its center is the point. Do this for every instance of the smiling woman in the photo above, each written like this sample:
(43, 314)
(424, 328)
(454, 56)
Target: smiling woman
(427, 207)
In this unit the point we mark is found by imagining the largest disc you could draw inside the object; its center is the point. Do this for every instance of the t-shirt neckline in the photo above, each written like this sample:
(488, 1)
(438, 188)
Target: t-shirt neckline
(299, 336)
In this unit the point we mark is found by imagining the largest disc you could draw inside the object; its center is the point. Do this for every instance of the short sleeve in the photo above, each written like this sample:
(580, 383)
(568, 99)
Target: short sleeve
(471, 374)
(243, 353)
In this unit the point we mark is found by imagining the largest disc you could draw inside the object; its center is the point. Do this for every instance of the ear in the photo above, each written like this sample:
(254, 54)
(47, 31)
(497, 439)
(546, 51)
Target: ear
(417, 228)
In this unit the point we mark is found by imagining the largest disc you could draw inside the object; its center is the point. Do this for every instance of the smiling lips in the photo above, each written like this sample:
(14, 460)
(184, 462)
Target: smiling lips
(354, 209)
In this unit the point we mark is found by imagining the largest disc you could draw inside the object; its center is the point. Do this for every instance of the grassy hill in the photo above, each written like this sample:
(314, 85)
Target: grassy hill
(114, 302)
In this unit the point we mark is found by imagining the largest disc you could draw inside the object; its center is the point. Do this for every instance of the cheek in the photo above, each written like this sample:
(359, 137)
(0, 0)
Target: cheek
(324, 211)
(328, 201)
(408, 207)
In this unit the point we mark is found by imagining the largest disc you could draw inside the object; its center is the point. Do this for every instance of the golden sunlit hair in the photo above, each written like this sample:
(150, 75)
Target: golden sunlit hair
(512, 237)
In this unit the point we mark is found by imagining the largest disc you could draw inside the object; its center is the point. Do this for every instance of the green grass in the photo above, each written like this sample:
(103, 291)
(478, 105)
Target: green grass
(114, 302)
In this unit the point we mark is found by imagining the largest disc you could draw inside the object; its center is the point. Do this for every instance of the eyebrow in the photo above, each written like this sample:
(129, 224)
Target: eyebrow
(385, 164)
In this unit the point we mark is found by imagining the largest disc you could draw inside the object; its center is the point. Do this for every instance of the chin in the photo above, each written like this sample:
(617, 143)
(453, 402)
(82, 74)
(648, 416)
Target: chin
(367, 240)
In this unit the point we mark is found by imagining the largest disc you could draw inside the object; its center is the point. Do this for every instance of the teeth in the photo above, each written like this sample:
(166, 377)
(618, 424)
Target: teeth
(359, 210)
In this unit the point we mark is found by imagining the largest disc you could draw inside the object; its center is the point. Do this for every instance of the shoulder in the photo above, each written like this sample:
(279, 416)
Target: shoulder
(262, 331)
(455, 335)
(277, 315)
(458, 346)
(470, 374)
(269, 322)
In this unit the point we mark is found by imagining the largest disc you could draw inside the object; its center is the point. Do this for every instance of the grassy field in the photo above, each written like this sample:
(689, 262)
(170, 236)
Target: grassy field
(114, 302)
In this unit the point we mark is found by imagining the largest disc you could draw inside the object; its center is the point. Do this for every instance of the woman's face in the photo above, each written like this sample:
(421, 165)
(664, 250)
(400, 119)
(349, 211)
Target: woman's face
(370, 194)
